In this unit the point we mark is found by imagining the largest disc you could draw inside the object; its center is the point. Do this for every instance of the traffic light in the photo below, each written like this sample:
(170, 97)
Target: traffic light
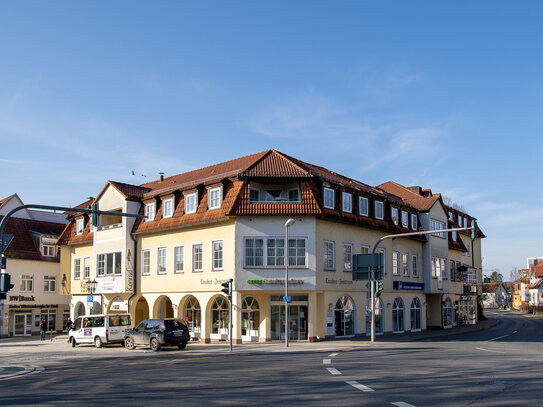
(5, 282)
(474, 230)
(378, 288)
(94, 216)
(227, 288)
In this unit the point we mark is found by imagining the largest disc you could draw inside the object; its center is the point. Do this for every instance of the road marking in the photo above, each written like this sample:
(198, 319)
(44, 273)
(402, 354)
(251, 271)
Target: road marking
(327, 361)
(359, 386)
(488, 350)
(331, 355)
(402, 404)
(499, 337)
(333, 371)
(515, 332)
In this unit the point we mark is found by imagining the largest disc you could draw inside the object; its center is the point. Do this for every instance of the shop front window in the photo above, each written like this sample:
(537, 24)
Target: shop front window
(250, 317)
(448, 313)
(193, 316)
(344, 316)
(398, 315)
(219, 316)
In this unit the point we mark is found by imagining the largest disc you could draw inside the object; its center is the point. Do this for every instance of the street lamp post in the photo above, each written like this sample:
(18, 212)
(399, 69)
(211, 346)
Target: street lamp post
(288, 224)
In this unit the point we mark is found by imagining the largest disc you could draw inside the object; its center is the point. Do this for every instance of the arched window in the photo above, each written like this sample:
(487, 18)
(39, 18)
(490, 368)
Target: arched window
(379, 316)
(193, 315)
(219, 316)
(447, 313)
(398, 323)
(344, 316)
(416, 314)
(79, 310)
(250, 317)
(96, 308)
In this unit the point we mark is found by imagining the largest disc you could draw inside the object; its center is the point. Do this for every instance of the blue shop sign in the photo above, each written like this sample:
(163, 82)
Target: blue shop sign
(407, 285)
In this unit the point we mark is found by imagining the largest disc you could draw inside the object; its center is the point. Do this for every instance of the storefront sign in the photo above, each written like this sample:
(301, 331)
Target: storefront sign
(338, 282)
(21, 298)
(14, 306)
(215, 281)
(407, 285)
(275, 281)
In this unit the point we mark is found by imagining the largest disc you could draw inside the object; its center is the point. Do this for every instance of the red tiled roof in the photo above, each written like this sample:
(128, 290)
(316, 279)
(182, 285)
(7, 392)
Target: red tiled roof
(457, 244)
(132, 192)
(275, 165)
(24, 245)
(490, 287)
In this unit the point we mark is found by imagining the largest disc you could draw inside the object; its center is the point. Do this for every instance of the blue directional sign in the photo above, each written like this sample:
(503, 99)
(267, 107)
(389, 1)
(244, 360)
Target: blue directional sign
(286, 298)
(90, 298)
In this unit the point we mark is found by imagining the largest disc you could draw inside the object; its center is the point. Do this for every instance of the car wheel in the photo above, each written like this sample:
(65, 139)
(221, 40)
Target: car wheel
(155, 346)
(129, 343)
(182, 345)
(72, 341)
(98, 342)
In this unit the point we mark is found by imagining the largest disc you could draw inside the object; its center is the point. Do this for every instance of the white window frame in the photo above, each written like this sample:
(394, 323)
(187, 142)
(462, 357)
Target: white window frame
(414, 221)
(145, 263)
(367, 205)
(405, 219)
(77, 268)
(175, 259)
(395, 218)
(167, 204)
(214, 266)
(415, 265)
(255, 190)
(327, 264)
(347, 263)
(255, 257)
(395, 263)
(438, 225)
(364, 249)
(79, 226)
(329, 194)
(26, 280)
(162, 260)
(347, 202)
(193, 257)
(192, 197)
(218, 200)
(49, 281)
(150, 211)
(450, 216)
(106, 254)
(297, 191)
(86, 265)
(460, 220)
(381, 211)
(405, 264)
(454, 235)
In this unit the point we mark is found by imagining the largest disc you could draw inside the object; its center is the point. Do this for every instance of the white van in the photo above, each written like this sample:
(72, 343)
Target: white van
(100, 329)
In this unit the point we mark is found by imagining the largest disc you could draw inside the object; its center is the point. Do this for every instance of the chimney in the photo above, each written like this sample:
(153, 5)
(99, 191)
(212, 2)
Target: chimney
(161, 176)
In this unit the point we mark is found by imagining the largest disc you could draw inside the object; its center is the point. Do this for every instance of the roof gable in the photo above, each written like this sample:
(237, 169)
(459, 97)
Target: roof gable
(275, 165)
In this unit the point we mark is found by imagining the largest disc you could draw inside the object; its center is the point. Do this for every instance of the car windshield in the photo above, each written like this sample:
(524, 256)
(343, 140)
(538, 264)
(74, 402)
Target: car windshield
(174, 324)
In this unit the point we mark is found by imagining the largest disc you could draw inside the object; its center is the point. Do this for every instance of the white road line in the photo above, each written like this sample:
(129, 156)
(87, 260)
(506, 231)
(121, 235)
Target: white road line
(488, 350)
(331, 355)
(327, 361)
(402, 404)
(333, 371)
(499, 337)
(515, 332)
(359, 386)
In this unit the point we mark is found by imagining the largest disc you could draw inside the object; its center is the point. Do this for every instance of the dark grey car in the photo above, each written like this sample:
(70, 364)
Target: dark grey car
(157, 333)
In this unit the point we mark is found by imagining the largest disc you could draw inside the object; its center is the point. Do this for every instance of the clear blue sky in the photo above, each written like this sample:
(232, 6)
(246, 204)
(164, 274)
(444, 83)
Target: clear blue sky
(445, 95)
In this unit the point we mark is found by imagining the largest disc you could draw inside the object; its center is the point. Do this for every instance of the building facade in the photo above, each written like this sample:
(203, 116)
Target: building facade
(33, 262)
(227, 221)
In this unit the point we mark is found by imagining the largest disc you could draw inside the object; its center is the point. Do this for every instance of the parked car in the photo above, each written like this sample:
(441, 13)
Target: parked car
(100, 329)
(157, 333)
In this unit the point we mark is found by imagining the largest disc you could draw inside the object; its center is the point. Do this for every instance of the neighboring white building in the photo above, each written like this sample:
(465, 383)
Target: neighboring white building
(33, 262)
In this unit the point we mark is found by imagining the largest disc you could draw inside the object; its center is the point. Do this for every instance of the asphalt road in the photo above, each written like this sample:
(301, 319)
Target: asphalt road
(496, 367)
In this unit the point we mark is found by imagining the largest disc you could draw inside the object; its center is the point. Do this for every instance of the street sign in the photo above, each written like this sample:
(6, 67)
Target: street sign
(286, 298)
(90, 298)
(363, 265)
(4, 243)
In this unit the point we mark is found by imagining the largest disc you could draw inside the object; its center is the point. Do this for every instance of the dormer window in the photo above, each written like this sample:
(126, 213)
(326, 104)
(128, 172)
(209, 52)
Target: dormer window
(273, 195)
(294, 195)
(379, 210)
(451, 216)
(405, 219)
(190, 203)
(454, 235)
(414, 221)
(465, 222)
(167, 208)
(394, 215)
(329, 198)
(48, 247)
(214, 198)
(363, 206)
(347, 202)
(460, 220)
(150, 211)
(79, 226)
(254, 195)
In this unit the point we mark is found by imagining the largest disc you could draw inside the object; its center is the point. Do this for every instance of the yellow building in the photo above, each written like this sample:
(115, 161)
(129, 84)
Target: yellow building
(228, 221)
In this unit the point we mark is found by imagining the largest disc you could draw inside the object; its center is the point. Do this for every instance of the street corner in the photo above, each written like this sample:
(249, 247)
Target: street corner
(11, 372)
